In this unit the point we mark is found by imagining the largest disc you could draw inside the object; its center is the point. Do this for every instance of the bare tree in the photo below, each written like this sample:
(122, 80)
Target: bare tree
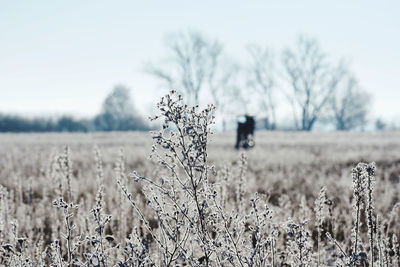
(261, 80)
(350, 104)
(192, 64)
(313, 81)
(198, 64)
(222, 83)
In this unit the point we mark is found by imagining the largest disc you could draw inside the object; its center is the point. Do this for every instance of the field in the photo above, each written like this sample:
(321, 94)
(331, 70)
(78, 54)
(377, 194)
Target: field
(282, 224)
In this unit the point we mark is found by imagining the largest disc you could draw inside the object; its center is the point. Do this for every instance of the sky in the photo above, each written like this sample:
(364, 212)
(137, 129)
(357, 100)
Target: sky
(64, 57)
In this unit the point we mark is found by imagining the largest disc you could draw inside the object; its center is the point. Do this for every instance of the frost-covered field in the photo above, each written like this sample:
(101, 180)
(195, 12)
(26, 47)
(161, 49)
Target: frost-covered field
(228, 224)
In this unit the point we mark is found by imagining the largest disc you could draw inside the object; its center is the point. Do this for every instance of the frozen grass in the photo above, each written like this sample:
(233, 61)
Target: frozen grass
(298, 198)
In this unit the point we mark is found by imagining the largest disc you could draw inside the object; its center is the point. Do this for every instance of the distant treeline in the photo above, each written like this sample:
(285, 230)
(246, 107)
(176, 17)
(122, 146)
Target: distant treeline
(117, 114)
(13, 123)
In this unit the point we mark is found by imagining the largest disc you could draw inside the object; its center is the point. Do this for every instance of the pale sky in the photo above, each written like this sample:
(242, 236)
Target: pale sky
(63, 57)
